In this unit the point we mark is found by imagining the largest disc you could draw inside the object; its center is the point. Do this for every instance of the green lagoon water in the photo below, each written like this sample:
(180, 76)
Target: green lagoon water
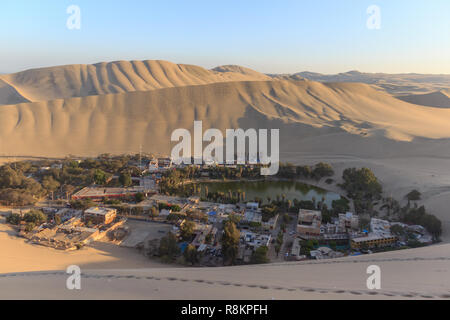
(263, 189)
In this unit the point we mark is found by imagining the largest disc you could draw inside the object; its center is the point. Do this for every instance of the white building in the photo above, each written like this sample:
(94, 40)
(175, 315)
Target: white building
(252, 217)
(252, 206)
(271, 224)
(153, 166)
(255, 240)
(348, 221)
(380, 227)
(164, 213)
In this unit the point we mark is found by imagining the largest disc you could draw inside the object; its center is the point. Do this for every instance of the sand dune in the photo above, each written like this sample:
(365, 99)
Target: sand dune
(398, 84)
(114, 77)
(9, 94)
(119, 123)
(438, 99)
(233, 70)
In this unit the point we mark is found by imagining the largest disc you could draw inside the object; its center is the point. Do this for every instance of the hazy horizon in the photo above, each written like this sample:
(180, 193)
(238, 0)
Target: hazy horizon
(226, 64)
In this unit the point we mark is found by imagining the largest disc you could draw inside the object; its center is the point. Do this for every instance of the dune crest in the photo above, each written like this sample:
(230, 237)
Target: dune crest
(71, 81)
(9, 94)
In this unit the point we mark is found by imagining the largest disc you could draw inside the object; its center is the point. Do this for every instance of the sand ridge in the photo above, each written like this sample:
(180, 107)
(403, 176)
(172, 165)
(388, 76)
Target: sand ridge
(70, 81)
(120, 123)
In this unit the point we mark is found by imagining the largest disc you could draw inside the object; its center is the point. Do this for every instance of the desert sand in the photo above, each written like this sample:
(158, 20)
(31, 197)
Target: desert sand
(109, 272)
(85, 110)
(396, 84)
(120, 123)
(438, 99)
(409, 274)
(114, 77)
(16, 255)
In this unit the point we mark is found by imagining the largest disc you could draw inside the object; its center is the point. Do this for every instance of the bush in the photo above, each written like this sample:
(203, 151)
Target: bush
(191, 254)
(322, 170)
(13, 219)
(16, 197)
(414, 196)
(29, 227)
(139, 197)
(168, 247)
(259, 256)
(187, 230)
(35, 216)
(82, 204)
(341, 205)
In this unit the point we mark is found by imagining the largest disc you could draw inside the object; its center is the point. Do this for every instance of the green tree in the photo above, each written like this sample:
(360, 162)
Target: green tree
(259, 256)
(187, 230)
(363, 187)
(30, 226)
(139, 197)
(50, 184)
(333, 245)
(154, 212)
(82, 204)
(168, 247)
(398, 230)
(125, 179)
(99, 177)
(413, 196)
(322, 170)
(191, 254)
(230, 242)
(35, 216)
(57, 220)
(13, 219)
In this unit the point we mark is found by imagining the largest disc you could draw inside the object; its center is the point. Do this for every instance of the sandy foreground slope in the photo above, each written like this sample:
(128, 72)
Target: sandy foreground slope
(110, 272)
(410, 274)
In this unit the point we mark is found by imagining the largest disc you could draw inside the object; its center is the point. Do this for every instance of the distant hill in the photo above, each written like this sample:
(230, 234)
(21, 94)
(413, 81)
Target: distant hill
(397, 84)
(438, 99)
(234, 70)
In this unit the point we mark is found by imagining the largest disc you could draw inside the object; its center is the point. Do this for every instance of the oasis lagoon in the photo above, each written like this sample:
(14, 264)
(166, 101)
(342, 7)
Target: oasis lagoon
(266, 190)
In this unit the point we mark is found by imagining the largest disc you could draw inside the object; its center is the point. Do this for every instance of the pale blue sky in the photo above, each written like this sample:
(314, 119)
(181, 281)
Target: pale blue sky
(283, 36)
